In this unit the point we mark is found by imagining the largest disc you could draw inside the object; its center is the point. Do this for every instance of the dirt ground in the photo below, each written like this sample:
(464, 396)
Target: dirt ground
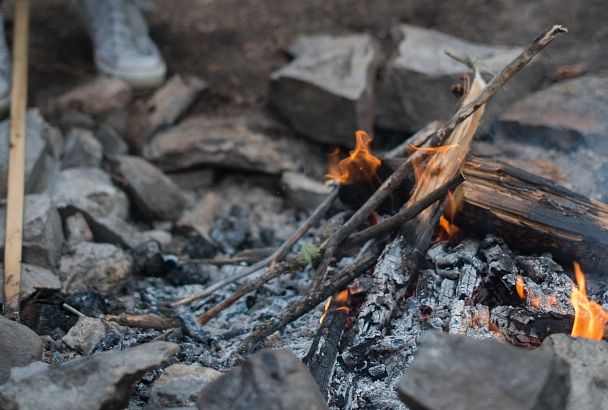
(236, 44)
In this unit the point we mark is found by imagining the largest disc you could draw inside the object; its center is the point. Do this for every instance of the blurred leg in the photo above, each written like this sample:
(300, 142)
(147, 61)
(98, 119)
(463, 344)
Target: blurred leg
(122, 45)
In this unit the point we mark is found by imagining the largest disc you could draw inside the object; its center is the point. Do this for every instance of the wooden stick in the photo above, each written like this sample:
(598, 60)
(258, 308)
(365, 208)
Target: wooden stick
(418, 139)
(272, 259)
(16, 170)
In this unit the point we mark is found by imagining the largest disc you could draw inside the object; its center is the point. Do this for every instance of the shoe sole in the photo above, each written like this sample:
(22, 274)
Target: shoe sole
(140, 79)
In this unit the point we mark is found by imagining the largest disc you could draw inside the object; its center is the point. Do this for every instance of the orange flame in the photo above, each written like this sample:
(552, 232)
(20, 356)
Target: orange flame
(360, 165)
(589, 317)
(342, 300)
(447, 229)
(520, 287)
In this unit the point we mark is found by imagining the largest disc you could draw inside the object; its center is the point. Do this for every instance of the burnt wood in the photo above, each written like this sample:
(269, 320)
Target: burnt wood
(534, 214)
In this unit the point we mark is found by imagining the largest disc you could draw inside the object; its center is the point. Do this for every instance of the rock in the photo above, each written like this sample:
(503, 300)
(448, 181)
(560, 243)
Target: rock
(110, 141)
(94, 265)
(36, 277)
(95, 97)
(171, 100)
(193, 180)
(42, 144)
(588, 360)
(327, 91)
(303, 192)
(416, 87)
(42, 231)
(162, 237)
(77, 229)
(201, 217)
(152, 193)
(565, 116)
(270, 379)
(89, 190)
(100, 381)
(19, 346)
(85, 334)
(179, 385)
(458, 372)
(218, 141)
(81, 149)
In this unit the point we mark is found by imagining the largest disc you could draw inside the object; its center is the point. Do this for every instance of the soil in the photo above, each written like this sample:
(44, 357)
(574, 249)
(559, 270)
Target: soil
(236, 44)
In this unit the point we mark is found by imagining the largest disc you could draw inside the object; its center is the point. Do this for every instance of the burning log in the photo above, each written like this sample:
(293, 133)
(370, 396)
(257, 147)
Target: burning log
(534, 214)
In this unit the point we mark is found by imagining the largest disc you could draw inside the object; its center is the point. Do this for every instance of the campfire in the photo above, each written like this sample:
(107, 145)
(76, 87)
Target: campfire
(216, 261)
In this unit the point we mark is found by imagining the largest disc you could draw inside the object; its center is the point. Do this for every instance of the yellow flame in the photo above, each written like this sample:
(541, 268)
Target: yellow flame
(589, 317)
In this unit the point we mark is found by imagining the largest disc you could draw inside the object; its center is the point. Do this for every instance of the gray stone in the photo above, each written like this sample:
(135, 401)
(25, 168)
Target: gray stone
(85, 334)
(41, 143)
(461, 373)
(179, 385)
(270, 379)
(36, 277)
(303, 192)
(565, 116)
(77, 229)
(327, 91)
(416, 87)
(152, 193)
(19, 346)
(42, 231)
(81, 149)
(91, 191)
(193, 180)
(588, 360)
(110, 141)
(116, 231)
(218, 141)
(171, 100)
(95, 97)
(100, 381)
(94, 265)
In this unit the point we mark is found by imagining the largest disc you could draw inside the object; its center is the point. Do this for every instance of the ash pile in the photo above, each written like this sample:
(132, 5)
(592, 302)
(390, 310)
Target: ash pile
(174, 260)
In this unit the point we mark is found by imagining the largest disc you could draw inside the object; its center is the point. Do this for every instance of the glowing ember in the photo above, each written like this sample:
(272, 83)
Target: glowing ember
(447, 229)
(589, 317)
(360, 165)
(520, 287)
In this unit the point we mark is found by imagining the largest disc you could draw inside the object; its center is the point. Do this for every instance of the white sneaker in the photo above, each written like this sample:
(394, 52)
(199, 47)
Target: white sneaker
(5, 71)
(122, 45)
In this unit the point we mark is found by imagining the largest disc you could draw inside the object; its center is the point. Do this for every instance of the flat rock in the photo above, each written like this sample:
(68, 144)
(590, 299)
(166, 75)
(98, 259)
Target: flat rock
(95, 97)
(91, 191)
(457, 372)
(85, 334)
(94, 265)
(192, 180)
(42, 231)
(416, 87)
(100, 381)
(220, 142)
(81, 149)
(565, 116)
(77, 229)
(303, 192)
(179, 385)
(270, 379)
(170, 101)
(36, 277)
(152, 193)
(588, 360)
(327, 91)
(41, 145)
(19, 346)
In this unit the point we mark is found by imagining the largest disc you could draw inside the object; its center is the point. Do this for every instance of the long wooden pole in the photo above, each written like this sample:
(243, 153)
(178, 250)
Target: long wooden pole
(16, 170)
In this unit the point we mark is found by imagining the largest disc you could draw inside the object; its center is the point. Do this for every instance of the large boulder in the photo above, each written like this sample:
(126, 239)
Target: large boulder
(100, 381)
(327, 91)
(19, 346)
(461, 373)
(416, 87)
(271, 379)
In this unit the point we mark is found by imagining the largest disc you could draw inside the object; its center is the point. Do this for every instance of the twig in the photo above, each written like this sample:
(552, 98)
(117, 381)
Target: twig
(272, 259)
(145, 321)
(308, 302)
(73, 310)
(416, 140)
(275, 271)
(405, 214)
